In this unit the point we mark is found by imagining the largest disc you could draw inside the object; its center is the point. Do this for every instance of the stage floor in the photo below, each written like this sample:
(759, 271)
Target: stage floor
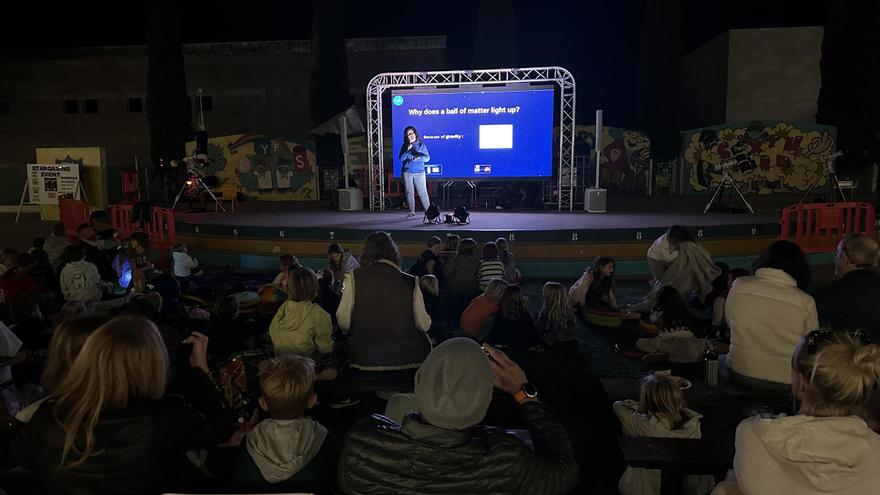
(544, 241)
(281, 217)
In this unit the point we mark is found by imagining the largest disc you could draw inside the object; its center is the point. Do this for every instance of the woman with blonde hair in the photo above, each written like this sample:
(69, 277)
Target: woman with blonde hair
(831, 445)
(67, 341)
(556, 321)
(108, 426)
(660, 412)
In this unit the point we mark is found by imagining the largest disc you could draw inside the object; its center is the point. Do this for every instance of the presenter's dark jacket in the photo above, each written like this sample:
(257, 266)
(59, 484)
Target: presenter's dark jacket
(851, 302)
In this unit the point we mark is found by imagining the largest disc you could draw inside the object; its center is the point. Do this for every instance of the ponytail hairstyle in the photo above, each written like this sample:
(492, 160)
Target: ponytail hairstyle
(661, 396)
(836, 373)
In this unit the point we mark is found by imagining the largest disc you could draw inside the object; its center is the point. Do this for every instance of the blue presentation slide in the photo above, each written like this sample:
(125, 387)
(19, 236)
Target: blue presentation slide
(482, 135)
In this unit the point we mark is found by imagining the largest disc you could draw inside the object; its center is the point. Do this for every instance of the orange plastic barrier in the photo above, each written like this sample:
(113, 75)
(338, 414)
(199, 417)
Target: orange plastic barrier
(130, 186)
(161, 228)
(73, 213)
(819, 227)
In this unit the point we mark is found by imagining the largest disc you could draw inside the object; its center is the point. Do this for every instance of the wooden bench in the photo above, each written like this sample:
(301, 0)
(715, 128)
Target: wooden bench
(677, 457)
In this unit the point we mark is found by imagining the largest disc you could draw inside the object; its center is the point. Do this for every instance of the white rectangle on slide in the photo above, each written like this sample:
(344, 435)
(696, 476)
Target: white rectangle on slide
(496, 137)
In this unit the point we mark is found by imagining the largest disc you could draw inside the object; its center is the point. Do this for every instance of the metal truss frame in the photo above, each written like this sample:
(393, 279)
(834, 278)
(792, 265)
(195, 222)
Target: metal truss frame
(387, 80)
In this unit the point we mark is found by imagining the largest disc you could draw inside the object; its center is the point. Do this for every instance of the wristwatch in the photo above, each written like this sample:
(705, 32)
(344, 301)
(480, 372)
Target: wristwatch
(527, 391)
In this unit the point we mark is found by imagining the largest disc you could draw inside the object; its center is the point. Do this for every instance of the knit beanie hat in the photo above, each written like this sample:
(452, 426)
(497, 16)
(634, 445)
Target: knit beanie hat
(453, 387)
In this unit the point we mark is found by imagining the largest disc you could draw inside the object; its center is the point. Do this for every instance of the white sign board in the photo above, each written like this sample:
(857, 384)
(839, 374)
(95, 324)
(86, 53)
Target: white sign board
(47, 182)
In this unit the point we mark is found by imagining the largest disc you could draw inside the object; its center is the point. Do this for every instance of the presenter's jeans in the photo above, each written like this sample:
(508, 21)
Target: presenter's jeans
(416, 183)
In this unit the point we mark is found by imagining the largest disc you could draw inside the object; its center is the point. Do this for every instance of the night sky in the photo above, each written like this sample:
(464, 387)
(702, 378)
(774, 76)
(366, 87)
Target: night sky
(598, 41)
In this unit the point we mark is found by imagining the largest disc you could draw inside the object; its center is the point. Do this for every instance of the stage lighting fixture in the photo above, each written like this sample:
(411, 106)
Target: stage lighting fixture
(432, 214)
(461, 215)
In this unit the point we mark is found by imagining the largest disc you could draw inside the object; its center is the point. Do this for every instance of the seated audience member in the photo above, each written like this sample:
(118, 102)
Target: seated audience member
(461, 272)
(108, 427)
(56, 243)
(328, 298)
(511, 272)
(852, 300)
(43, 271)
(37, 244)
(430, 287)
(659, 413)
(514, 326)
(382, 311)
(556, 321)
(719, 305)
(767, 313)
(7, 259)
(287, 452)
(66, 343)
(478, 317)
(831, 445)
(300, 326)
(95, 253)
(10, 345)
(664, 250)
(692, 272)
(340, 262)
(121, 264)
(674, 341)
(182, 263)
(595, 288)
(428, 262)
(17, 281)
(432, 444)
(286, 262)
(81, 282)
(490, 266)
(449, 250)
(230, 330)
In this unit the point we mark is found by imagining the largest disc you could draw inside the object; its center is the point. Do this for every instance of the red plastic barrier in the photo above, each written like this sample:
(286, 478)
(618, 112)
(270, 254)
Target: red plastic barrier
(819, 227)
(73, 213)
(120, 219)
(130, 186)
(161, 229)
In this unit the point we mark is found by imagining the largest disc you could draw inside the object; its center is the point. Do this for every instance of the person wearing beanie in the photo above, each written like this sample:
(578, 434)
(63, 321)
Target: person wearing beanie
(430, 441)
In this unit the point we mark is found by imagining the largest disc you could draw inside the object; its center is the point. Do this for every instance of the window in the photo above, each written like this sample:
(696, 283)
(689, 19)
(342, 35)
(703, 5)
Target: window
(90, 105)
(71, 106)
(135, 105)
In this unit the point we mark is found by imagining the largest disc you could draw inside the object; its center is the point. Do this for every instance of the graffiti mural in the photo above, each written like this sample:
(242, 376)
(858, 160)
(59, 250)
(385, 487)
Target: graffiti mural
(626, 156)
(762, 157)
(264, 168)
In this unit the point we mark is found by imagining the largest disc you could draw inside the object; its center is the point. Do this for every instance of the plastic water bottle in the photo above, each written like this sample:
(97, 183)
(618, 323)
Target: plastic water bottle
(710, 359)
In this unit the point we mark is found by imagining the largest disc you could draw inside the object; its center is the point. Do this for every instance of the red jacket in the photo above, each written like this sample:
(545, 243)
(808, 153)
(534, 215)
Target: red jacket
(478, 311)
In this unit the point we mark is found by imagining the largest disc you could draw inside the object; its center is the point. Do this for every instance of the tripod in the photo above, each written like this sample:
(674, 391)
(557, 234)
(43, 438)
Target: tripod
(727, 181)
(194, 180)
(830, 177)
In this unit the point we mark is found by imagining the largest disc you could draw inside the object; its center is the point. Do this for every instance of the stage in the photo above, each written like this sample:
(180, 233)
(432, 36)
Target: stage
(543, 241)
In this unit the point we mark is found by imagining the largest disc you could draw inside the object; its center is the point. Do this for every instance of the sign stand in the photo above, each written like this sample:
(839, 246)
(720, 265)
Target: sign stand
(80, 193)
